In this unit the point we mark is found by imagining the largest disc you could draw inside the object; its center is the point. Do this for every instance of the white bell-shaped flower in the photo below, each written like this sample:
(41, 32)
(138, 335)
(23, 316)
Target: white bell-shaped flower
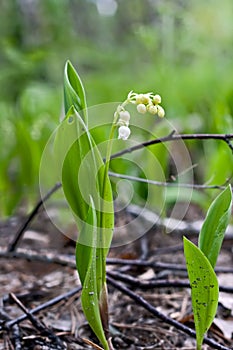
(141, 108)
(124, 118)
(123, 132)
(157, 99)
(152, 109)
(161, 112)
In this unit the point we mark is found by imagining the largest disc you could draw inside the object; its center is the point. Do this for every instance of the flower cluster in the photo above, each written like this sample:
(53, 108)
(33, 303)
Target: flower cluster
(149, 103)
(145, 103)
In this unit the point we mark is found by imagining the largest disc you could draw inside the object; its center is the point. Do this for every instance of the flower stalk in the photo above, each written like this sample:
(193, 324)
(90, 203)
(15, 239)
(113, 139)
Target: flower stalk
(144, 103)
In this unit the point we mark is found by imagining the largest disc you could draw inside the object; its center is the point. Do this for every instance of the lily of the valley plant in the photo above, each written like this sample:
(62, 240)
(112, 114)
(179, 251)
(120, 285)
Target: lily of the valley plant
(201, 261)
(87, 188)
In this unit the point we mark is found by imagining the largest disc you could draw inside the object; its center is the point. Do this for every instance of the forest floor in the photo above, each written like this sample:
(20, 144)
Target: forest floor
(148, 287)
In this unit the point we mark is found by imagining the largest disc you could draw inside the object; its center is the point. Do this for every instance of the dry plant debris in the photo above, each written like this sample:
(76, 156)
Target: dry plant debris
(40, 275)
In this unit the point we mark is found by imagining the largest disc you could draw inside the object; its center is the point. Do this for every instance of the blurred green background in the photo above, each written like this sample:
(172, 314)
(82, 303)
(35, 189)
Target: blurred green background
(180, 49)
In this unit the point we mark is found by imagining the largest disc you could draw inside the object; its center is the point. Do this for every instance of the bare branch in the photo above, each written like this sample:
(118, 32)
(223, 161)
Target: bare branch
(164, 184)
(38, 324)
(141, 301)
(63, 260)
(171, 224)
(171, 137)
(41, 307)
(148, 284)
(44, 257)
(13, 245)
(174, 137)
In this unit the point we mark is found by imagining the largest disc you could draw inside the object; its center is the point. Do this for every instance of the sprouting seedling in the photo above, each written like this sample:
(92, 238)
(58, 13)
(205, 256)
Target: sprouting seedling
(87, 188)
(201, 261)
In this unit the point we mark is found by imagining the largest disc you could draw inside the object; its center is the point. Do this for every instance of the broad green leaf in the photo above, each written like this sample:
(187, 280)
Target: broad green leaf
(83, 177)
(74, 93)
(82, 173)
(69, 154)
(85, 243)
(204, 289)
(87, 188)
(214, 227)
(86, 261)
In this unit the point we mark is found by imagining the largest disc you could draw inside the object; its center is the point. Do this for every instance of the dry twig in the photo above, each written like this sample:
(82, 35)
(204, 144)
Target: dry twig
(56, 300)
(141, 301)
(171, 137)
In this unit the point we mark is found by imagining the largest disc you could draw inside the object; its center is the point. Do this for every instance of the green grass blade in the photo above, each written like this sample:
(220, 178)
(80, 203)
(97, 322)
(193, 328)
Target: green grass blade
(204, 289)
(74, 93)
(214, 227)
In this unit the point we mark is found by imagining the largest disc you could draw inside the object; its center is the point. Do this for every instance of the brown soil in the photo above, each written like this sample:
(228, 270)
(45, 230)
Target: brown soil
(63, 326)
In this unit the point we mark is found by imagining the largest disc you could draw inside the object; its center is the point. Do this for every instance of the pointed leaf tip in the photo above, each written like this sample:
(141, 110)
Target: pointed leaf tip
(74, 92)
(215, 225)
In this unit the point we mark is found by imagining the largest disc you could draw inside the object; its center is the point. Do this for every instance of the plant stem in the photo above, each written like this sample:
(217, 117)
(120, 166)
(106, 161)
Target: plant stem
(107, 162)
(103, 249)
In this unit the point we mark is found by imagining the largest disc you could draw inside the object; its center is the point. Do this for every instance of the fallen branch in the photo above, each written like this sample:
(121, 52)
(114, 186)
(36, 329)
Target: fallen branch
(141, 301)
(148, 284)
(16, 337)
(152, 220)
(159, 265)
(37, 324)
(45, 257)
(41, 307)
(171, 137)
(64, 260)
(13, 245)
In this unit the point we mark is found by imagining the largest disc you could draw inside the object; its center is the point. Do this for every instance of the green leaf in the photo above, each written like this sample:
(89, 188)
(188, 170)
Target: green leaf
(81, 171)
(86, 262)
(87, 188)
(83, 176)
(214, 227)
(69, 152)
(74, 93)
(85, 243)
(204, 289)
